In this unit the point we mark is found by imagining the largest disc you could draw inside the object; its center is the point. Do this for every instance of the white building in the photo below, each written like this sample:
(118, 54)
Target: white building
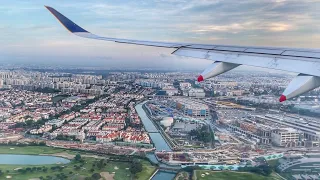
(170, 91)
(55, 122)
(286, 137)
(196, 92)
(185, 85)
(191, 107)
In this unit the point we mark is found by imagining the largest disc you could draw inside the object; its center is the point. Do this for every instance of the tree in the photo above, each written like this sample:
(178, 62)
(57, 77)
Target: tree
(29, 123)
(267, 170)
(22, 171)
(96, 176)
(190, 169)
(42, 143)
(100, 164)
(76, 167)
(136, 167)
(77, 157)
(264, 170)
(201, 134)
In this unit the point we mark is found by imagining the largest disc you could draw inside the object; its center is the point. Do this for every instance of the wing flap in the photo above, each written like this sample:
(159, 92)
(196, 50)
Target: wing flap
(279, 62)
(265, 51)
(302, 54)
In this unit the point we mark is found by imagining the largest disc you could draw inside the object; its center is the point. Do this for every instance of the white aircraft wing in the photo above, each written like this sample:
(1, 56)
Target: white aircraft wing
(306, 62)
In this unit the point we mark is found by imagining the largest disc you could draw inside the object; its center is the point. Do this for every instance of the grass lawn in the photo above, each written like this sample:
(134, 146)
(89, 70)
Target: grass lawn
(182, 176)
(120, 170)
(227, 175)
(147, 171)
(273, 163)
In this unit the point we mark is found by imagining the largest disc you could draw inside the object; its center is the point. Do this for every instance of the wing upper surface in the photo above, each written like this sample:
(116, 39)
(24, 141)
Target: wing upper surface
(306, 61)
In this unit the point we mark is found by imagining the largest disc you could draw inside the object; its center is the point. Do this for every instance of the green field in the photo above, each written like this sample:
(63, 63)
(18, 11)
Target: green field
(147, 171)
(228, 175)
(273, 163)
(119, 170)
(182, 176)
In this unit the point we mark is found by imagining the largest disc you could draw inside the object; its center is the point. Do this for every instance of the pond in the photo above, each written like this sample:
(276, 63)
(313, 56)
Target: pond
(15, 159)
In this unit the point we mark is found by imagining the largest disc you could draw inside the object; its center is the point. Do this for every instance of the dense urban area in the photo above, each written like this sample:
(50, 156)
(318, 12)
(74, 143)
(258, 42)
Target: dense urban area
(158, 125)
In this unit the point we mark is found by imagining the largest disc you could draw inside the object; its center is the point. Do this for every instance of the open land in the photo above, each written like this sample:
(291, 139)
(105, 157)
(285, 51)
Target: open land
(73, 170)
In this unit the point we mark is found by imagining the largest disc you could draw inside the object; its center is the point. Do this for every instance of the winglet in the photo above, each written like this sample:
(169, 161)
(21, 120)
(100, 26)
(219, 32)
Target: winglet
(67, 23)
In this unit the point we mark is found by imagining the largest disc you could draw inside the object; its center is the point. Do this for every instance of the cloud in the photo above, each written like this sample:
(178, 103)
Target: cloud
(244, 27)
(279, 27)
(13, 9)
(223, 28)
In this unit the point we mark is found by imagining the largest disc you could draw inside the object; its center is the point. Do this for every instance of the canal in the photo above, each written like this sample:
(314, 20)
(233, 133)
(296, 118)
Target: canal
(164, 175)
(159, 142)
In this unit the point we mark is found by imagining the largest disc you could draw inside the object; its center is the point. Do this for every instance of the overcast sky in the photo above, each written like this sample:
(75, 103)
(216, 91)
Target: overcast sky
(30, 34)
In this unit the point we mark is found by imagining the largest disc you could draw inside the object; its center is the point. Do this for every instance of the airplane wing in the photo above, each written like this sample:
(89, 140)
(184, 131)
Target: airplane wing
(306, 62)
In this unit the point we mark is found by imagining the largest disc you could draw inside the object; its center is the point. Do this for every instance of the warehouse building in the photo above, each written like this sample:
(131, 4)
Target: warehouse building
(190, 107)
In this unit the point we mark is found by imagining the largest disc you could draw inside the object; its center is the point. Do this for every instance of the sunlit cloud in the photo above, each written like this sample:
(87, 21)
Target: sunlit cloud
(247, 26)
(227, 28)
(279, 27)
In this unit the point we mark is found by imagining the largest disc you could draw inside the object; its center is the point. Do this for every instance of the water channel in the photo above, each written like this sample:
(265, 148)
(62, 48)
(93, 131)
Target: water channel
(16, 159)
(163, 175)
(159, 142)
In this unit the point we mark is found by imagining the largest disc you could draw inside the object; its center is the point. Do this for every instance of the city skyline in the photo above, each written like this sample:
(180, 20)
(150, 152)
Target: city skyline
(231, 122)
(37, 38)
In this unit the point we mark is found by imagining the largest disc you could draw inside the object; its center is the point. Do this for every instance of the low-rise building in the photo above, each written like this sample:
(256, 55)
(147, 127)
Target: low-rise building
(196, 92)
(55, 122)
(286, 137)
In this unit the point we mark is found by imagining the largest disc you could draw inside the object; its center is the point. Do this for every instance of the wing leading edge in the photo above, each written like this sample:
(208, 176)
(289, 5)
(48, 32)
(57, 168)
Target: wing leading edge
(303, 61)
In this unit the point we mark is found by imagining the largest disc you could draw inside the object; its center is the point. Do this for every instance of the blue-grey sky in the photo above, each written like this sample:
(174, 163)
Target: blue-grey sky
(30, 34)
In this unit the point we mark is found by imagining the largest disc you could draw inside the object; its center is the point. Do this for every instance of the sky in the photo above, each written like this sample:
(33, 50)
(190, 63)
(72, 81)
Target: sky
(31, 35)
